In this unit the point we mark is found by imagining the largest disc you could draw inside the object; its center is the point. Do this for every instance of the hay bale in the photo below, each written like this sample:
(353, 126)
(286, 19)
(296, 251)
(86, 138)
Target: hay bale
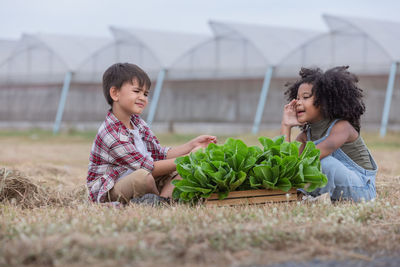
(17, 189)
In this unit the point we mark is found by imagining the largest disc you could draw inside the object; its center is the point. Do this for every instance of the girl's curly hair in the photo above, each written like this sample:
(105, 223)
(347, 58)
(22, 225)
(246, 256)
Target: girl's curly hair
(335, 91)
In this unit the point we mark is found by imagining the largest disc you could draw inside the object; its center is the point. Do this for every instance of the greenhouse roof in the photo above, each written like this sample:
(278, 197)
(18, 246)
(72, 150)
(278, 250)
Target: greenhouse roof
(6, 48)
(273, 42)
(71, 50)
(167, 47)
(385, 33)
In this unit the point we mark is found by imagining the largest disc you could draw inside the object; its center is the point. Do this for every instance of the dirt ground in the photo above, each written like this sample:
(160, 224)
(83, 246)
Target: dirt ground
(82, 233)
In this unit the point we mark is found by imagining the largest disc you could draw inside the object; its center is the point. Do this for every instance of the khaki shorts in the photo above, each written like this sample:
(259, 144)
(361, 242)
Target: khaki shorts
(135, 185)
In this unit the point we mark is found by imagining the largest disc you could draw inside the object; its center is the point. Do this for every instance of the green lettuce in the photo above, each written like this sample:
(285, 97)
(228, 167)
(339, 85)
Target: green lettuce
(235, 166)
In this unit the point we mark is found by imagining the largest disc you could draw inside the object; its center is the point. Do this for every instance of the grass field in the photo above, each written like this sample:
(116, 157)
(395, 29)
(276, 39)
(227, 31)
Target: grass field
(56, 226)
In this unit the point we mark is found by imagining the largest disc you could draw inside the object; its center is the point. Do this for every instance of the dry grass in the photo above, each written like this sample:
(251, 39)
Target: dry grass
(50, 222)
(16, 189)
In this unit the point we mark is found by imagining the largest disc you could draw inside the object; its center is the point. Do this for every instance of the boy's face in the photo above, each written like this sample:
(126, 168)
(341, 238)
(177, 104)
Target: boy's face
(132, 99)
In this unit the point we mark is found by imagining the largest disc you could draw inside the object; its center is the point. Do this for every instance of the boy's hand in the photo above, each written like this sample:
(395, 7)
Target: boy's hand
(195, 149)
(203, 141)
(289, 118)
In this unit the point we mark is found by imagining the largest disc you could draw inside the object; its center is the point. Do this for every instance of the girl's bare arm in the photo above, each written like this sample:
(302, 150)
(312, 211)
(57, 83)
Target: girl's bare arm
(342, 132)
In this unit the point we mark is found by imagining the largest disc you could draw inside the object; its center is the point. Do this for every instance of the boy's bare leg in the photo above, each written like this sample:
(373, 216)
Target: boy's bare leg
(166, 191)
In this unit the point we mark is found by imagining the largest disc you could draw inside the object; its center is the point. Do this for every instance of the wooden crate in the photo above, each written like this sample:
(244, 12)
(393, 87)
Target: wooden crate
(251, 197)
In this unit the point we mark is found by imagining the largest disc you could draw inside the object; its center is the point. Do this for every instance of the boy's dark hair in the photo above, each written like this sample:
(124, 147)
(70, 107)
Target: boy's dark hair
(335, 91)
(119, 73)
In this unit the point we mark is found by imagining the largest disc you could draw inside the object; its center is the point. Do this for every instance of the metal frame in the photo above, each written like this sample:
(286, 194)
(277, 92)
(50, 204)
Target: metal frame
(388, 99)
(63, 99)
(156, 96)
(262, 100)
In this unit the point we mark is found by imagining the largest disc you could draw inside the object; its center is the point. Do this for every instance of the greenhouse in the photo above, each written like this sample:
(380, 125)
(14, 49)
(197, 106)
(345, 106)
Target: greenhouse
(385, 34)
(229, 82)
(247, 53)
(358, 46)
(154, 51)
(33, 74)
(239, 50)
(45, 58)
(6, 48)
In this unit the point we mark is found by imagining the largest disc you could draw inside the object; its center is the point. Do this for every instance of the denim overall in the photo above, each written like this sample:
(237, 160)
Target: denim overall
(346, 179)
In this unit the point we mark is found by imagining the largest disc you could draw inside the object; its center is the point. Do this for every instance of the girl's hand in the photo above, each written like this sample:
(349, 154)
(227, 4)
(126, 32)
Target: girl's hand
(203, 141)
(289, 118)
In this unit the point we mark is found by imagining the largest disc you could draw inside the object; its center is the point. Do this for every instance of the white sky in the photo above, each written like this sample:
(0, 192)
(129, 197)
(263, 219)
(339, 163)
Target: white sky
(93, 17)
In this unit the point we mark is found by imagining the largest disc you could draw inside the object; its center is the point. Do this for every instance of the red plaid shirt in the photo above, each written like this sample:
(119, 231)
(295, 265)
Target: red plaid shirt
(114, 152)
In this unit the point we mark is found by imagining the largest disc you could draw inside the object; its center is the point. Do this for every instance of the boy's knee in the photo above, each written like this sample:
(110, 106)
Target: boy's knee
(150, 181)
(145, 180)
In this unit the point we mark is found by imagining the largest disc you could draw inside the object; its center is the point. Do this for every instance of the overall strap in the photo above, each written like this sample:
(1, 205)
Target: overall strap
(328, 132)
(308, 133)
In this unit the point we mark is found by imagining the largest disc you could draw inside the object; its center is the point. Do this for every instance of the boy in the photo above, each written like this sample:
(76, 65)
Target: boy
(126, 161)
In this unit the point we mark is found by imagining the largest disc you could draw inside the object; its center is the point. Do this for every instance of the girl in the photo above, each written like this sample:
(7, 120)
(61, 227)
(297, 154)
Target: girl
(328, 107)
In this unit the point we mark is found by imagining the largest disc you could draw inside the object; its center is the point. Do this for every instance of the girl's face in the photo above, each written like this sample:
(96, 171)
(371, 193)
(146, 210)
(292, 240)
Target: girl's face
(305, 110)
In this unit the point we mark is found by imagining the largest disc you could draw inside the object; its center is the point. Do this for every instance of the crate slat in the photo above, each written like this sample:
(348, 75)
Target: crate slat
(251, 193)
(251, 197)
